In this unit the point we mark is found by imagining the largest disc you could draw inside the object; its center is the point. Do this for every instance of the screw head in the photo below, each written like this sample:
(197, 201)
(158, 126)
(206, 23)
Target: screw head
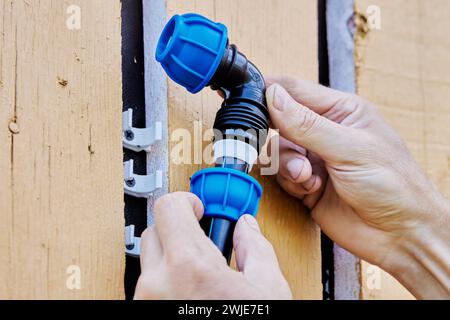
(129, 135)
(130, 183)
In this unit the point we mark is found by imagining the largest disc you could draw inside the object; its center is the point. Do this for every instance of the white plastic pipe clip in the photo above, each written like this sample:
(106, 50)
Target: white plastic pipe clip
(132, 243)
(141, 186)
(139, 139)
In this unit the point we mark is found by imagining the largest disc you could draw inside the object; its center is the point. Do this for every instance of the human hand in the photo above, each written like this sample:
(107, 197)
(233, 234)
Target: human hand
(178, 261)
(362, 185)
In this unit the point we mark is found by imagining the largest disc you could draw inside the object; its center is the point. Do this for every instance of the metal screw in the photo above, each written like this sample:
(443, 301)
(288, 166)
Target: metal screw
(129, 135)
(130, 182)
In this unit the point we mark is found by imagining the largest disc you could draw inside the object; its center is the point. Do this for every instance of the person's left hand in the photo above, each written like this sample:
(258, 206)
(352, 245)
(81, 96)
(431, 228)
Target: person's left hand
(178, 261)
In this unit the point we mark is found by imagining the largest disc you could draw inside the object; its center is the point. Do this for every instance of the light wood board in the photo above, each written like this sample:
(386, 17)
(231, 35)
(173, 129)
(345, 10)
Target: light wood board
(61, 186)
(405, 68)
(280, 37)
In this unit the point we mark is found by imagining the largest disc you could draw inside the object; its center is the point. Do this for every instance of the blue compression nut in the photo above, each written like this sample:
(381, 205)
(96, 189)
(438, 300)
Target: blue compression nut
(226, 193)
(190, 49)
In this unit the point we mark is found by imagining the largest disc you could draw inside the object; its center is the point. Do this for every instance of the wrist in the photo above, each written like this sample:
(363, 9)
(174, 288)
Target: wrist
(422, 259)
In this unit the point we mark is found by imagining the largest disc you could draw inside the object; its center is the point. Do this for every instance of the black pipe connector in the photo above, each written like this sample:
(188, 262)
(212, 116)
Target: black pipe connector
(244, 114)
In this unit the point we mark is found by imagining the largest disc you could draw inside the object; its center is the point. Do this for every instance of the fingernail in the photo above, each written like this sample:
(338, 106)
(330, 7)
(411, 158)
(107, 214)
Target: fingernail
(294, 167)
(251, 221)
(279, 97)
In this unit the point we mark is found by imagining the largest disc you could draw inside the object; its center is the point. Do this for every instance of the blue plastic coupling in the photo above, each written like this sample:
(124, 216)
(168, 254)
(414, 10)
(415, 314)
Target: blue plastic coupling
(190, 50)
(226, 193)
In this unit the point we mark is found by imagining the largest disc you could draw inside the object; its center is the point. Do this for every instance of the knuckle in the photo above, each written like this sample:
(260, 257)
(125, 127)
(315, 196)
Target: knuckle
(347, 100)
(308, 120)
(352, 102)
(363, 104)
(200, 266)
(194, 265)
(179, 259)
(191, 256)
(163, 201)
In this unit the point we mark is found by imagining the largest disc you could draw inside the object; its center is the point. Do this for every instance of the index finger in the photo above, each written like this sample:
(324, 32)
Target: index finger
(176, 217)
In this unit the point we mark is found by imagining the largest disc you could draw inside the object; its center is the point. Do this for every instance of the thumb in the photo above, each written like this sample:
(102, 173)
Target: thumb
(304, 127)
(253, 252)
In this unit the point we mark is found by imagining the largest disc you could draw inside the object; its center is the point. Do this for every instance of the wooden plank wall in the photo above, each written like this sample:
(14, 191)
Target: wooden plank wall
(279, 36)
(61, 193)
(404, 67)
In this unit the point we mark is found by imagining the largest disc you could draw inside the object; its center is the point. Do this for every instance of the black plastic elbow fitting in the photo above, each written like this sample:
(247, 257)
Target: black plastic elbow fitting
(244, 114)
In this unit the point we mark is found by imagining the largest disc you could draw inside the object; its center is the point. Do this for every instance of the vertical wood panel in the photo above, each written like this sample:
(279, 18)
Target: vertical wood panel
(61, 196)
(405, 69)
(279, 37)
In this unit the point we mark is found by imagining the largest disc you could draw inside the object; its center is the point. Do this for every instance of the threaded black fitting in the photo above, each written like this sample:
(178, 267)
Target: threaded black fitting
(244, 114)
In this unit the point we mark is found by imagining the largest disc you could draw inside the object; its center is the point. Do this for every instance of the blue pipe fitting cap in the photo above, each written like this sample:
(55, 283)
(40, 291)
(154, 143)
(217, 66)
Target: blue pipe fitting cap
(226, 193)
(190, 49)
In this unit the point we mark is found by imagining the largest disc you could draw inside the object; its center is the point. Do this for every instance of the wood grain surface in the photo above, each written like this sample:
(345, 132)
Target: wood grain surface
(61, 192)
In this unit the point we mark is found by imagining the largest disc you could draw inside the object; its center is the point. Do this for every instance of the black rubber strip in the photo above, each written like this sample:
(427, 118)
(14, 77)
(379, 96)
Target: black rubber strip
(133, 96)
(324, 79)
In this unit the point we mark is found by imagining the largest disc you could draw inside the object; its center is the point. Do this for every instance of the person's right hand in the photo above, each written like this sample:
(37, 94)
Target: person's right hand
(362, 185)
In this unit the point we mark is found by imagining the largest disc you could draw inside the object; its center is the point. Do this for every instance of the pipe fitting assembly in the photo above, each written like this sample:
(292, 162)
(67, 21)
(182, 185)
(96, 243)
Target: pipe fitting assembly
(195, 53)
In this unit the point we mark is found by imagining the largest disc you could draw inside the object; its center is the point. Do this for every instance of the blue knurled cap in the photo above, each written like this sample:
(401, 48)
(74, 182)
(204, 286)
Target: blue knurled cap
(226, 193)
(190, 49)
